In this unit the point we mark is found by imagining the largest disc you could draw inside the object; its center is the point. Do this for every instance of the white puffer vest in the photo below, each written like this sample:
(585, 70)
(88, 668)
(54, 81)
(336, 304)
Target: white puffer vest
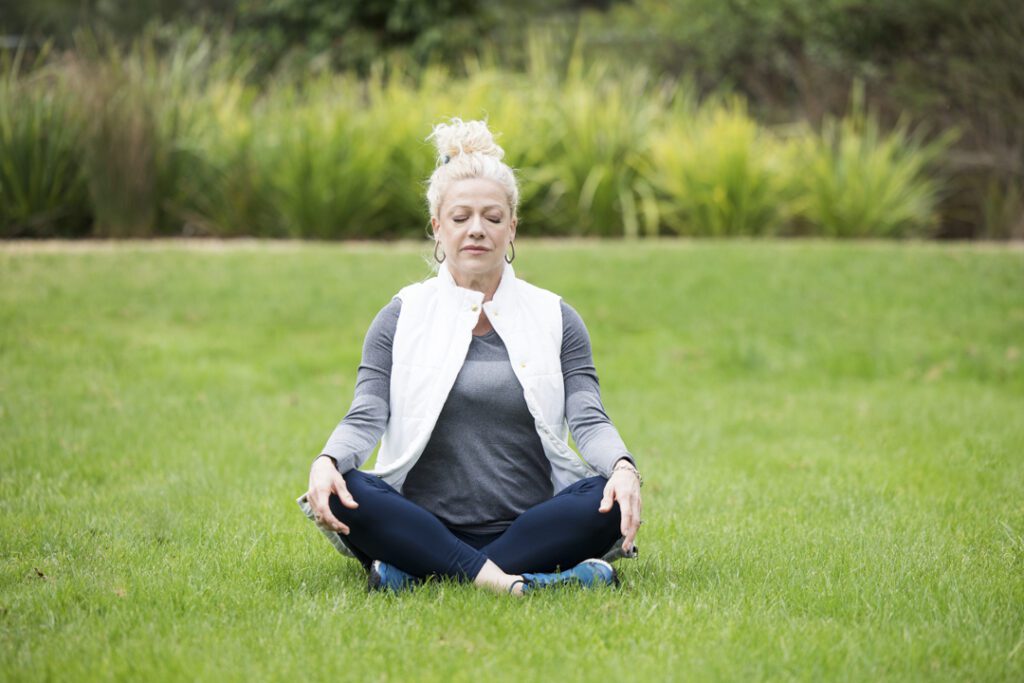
(435, 328)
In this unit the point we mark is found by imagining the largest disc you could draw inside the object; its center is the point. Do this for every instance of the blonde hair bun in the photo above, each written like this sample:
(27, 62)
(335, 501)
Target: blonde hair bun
(466, 149)
(464, 137)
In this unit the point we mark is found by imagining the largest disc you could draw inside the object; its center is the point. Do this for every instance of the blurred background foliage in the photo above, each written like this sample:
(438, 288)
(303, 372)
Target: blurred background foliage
(307, 118)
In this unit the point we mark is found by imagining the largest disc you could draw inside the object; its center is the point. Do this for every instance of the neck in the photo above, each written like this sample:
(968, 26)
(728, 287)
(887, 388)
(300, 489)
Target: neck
(485, 283)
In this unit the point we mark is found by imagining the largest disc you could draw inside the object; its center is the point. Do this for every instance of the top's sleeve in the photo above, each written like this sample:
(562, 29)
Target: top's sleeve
(595, 435)
(355, 437)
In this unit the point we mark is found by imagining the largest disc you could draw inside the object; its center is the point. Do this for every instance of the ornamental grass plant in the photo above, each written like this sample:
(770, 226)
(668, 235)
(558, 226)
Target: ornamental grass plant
(325, 164)
(225, 193)
(854, 179)
(598, 121)
(175, 140)
(43, 189)
(719, 173)
(146, 111)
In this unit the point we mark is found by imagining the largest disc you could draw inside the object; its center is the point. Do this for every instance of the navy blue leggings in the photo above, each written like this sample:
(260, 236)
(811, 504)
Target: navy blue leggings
(560, 532)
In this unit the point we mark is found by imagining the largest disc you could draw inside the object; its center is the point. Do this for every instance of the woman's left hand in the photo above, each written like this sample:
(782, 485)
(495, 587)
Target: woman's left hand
(624, 487)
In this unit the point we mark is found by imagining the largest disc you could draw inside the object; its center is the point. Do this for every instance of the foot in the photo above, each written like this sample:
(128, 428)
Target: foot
(387, 577)
(588, 574)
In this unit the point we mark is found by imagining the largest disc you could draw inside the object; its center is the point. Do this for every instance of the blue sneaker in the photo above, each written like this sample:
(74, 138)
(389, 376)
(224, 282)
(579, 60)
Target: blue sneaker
(588, 573)
(386, 577)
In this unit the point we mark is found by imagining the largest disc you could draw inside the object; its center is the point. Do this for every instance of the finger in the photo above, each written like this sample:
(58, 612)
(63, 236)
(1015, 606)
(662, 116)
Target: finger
(630, 521)
(322, 512)
(627, 541)
(629, 537)
(334, 523)
(628, 526)
(343, 494)
(326, 518)
(607, 500)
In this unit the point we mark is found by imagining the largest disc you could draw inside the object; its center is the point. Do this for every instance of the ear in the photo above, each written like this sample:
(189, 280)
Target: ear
(434, 224)
(512, 227)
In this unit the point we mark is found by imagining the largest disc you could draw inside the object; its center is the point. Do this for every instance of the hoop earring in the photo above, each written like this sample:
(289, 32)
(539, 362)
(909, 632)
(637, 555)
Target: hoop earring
(510, 260)
(437, 243)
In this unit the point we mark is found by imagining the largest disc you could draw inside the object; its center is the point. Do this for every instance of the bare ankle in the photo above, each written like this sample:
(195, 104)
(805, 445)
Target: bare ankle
(491, 576)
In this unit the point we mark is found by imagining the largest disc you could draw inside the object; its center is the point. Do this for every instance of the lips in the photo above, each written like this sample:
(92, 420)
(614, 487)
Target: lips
(475, 250)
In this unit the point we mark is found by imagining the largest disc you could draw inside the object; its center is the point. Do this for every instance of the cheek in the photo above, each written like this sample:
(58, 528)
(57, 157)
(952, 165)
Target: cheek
(451, 238)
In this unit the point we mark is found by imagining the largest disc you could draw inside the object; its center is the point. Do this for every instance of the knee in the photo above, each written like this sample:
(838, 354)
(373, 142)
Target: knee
(610, 521)
(342, 513)
(591, 486)
(591, 492)
(361, 486)
(357, 481)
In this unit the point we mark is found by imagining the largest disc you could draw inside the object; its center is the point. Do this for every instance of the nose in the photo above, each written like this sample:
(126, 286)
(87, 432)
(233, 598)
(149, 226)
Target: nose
(476, 228)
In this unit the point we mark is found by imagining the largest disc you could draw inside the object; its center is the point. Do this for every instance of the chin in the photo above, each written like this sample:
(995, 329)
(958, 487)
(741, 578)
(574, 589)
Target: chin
(478, 268)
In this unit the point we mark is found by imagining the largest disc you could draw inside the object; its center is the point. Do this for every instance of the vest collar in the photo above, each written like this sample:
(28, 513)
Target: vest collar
(502, 296)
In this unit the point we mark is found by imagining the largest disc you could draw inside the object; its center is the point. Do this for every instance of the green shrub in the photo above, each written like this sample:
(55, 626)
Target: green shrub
(325, 161)
(599, 121)
(1003, 208)
(42, 187)
(141, 109)
(854, 180)
(179, 142)
(719, 173)
(225, 191)
(951, 63)
(401, 105)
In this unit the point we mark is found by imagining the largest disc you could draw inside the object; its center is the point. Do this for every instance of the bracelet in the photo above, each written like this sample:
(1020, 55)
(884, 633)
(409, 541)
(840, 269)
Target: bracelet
(631, 468)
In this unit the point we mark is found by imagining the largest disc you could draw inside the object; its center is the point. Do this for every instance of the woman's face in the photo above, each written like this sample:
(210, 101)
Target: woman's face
(474, 227)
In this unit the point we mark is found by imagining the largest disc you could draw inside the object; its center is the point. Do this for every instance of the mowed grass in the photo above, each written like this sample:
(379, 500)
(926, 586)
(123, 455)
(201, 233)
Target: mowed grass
(832, 437)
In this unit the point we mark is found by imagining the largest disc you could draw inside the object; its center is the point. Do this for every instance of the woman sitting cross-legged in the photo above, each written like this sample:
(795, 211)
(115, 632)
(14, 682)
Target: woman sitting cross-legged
(472, 378)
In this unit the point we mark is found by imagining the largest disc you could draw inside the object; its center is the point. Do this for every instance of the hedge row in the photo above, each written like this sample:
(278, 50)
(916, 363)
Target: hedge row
(132, 143)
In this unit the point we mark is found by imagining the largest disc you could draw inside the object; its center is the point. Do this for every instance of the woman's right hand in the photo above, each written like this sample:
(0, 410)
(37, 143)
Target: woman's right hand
(324, 479)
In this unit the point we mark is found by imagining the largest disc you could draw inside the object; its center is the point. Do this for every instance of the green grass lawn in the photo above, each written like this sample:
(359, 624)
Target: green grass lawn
(832, 437)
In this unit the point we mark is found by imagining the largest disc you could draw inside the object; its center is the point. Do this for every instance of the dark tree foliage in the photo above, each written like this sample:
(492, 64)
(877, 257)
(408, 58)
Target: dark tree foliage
(297, 34)
(58, 19)
(950, 64)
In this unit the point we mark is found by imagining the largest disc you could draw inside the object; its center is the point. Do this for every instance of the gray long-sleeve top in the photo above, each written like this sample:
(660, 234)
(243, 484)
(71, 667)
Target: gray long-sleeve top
(484, 464)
